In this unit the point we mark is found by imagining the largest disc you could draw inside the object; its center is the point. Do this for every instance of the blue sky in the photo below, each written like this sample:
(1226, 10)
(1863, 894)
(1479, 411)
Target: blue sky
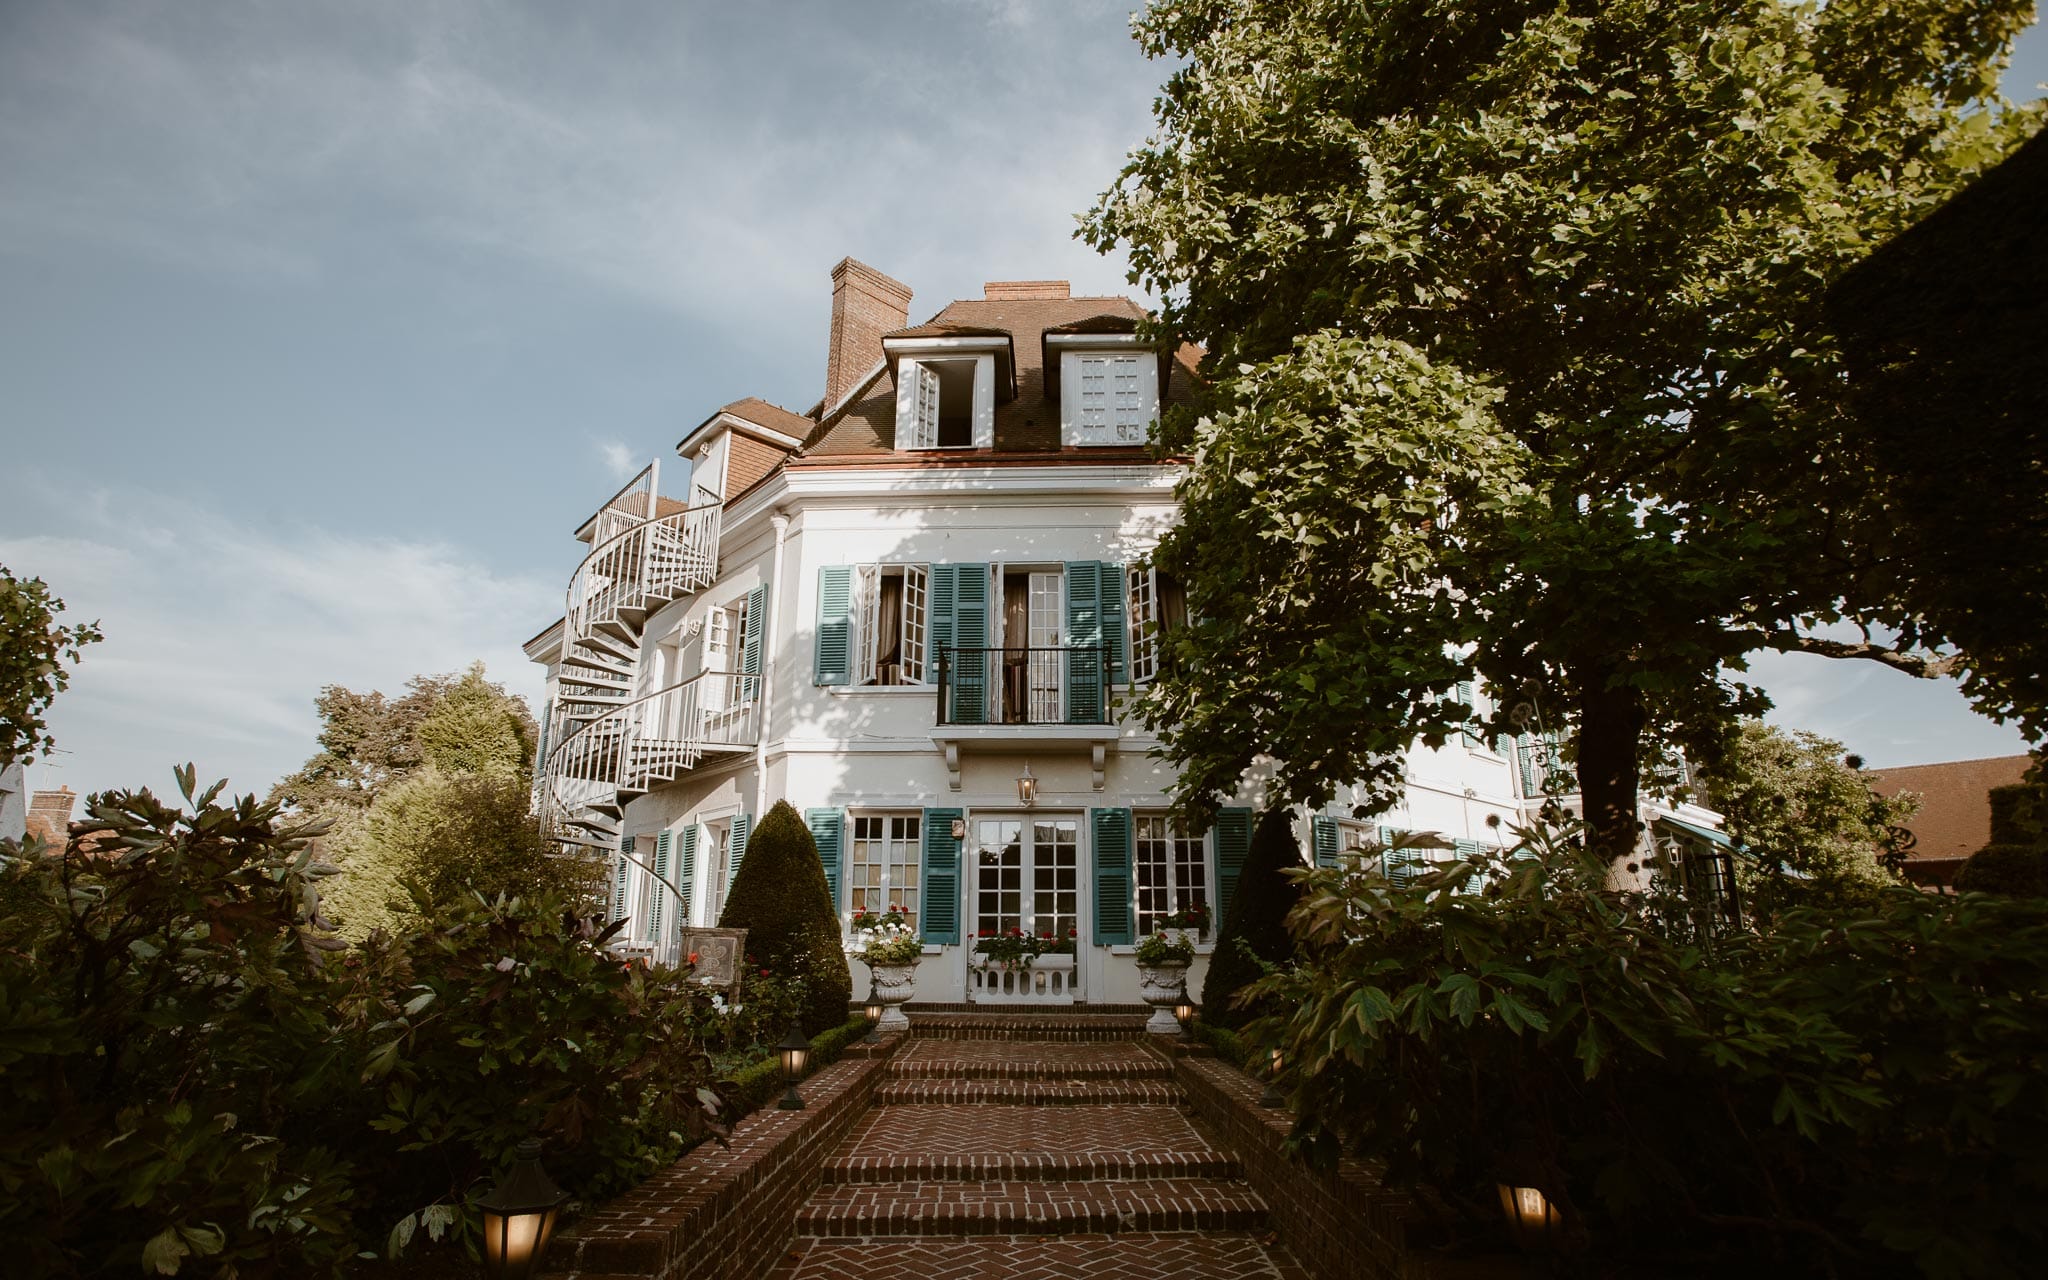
(322, 326)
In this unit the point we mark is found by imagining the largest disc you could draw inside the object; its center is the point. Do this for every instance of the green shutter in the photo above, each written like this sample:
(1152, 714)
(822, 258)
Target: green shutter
(686, 874)
(619, 880)
(750, 644)
(1471, 701)
(1324, 833)
(1112, 841)
(1233, 841)
(1109, 594)
(941, 914)
(736, 845)
(1525, 761)
(827, 826)
(1084, 634)
(833, 660)
(959, 609)
(654, 917)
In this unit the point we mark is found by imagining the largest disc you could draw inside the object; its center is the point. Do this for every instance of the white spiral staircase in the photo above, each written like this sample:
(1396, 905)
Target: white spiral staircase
(609, 741)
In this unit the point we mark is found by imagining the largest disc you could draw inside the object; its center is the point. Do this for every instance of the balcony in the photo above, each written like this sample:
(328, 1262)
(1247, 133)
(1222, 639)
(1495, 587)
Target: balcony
(1009, 699)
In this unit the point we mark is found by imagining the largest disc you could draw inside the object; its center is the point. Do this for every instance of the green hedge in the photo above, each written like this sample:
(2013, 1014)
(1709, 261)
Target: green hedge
(762, 1083)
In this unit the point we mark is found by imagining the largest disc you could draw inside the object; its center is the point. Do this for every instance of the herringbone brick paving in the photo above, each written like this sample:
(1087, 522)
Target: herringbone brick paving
(1031, 1147)
(1129, 1256)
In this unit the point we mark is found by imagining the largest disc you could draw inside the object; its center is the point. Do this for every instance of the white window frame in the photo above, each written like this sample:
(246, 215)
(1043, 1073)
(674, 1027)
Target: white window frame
(1177, 842)
(910, 847)
(917, 401)
(716, 859)
(1109, 396)
(912, 622)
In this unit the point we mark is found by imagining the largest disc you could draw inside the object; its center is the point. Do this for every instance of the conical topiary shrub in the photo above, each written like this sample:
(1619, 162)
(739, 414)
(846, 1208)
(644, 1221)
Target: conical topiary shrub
(779, 897)
(1257, 923)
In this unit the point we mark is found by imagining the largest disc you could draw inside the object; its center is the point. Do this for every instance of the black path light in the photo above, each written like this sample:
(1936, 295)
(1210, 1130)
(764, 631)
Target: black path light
(1532, 1219)
(1185, 1012)
(1271, 1097)
(795, 1050)
(872, 1011)
(519, 1217)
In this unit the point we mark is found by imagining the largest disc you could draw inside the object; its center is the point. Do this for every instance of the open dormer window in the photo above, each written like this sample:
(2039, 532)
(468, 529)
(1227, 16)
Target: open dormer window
(942, 399)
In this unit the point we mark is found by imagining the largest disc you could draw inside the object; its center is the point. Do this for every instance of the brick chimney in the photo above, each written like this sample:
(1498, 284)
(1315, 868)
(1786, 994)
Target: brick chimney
(865, 305)
(1017, 290)
(49, 814)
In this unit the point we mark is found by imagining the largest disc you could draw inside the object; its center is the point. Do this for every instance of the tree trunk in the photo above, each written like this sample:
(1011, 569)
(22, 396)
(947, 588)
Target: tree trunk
(1610, 739)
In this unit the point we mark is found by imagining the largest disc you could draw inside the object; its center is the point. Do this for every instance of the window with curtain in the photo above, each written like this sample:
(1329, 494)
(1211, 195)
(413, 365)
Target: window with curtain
(1170, 869)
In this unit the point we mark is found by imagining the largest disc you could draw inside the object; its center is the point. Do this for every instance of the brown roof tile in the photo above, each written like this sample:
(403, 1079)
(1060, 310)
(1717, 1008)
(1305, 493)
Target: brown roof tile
(1955, 803)
(1026, 424)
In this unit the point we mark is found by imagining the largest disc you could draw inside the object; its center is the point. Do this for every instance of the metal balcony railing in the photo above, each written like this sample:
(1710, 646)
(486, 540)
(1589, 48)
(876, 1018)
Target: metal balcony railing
(1058, 684)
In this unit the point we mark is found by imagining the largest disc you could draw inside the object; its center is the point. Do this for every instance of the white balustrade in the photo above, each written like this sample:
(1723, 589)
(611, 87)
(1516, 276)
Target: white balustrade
(1051, 979)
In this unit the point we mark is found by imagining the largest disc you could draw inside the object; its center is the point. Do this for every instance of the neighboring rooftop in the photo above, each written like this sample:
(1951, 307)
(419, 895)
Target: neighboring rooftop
(1955, 805)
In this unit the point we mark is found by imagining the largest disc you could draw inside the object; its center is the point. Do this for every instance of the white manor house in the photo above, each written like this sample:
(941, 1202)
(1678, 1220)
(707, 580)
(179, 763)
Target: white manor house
(916, 613)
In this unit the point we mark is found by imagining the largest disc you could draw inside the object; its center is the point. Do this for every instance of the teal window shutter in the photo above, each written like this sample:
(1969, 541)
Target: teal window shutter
(620, 883)
(970, 633)
(827, 826)
(1084, 636)
(833, 661)
(736, 845)
(1112, 841)
(1471, 701)
(1324, 832)
(1109, 593)
(1525, 761)
(655, 916)
(941, 922)
(1233, 840)
(750, 643)
(686, 872)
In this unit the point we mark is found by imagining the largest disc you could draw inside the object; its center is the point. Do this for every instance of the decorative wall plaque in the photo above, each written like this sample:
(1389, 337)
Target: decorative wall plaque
(719, 953)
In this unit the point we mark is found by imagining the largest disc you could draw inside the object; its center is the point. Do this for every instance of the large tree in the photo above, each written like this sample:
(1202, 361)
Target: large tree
(33, 650)
(1520, 368)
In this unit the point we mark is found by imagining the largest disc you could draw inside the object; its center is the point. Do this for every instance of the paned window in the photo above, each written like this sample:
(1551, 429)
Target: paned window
(1156, 605)
(718, 864)
(885, 863)
(1114, 405)
(941, 404)
(889, 622)
(1172, 870)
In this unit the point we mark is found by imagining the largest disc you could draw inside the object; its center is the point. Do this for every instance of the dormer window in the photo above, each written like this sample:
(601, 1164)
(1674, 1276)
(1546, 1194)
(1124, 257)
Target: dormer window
(941, 395)
(1108, 389)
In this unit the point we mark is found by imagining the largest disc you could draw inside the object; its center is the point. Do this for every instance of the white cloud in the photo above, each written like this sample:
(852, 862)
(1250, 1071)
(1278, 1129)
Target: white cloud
(220, 636)
(621, 461)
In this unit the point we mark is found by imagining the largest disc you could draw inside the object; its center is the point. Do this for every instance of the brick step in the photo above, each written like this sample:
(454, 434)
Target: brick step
(1026, 1166)
(1130, 1255)
(1019, 1207)
(1027, 1060)
(1039, 1093)
(1064, 1027)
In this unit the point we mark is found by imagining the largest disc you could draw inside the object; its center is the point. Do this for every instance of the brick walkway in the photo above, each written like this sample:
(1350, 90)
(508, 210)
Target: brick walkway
(1031, 1149)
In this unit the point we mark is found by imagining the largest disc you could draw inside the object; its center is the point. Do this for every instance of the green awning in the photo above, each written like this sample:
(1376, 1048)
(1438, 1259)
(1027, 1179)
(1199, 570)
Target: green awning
(1707, 834)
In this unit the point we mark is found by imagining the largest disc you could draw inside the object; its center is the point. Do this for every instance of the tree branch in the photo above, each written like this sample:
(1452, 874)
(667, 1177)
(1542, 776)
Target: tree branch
(1913, 664)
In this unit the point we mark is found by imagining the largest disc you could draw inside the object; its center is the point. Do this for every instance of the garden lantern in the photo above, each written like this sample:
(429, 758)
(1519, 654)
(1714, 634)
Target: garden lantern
(1271, 1097)
(873, 1013)
(1027, 787)
(519, 1217)
(1185, 1013)
(1531, 1217)
(795, 1050)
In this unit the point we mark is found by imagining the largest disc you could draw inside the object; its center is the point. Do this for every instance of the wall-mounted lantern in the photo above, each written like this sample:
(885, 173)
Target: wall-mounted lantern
(1027, 787)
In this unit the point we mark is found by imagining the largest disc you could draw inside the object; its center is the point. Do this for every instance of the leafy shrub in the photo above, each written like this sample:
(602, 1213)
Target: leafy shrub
(1850, 1093)
(435, 837)
(1254, 934)
(2014, 869)
(762, 1082)
(779, 897)
(183, 1075)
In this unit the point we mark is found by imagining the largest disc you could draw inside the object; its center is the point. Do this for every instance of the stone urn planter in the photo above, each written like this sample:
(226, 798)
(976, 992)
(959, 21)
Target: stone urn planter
(1163, 986)
(890, 985)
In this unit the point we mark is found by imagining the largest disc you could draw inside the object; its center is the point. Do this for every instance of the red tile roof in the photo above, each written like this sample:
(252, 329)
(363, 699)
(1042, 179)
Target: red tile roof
(1955, 804)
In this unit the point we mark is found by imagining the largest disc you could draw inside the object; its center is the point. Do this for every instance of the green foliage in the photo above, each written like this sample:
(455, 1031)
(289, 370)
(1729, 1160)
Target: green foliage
(196, 1077)
(1254, 934)
(762, 1082)
(1799, 808)
(478, 728)
(1509, 307)
(779, 897)
(434, 837)
(33, 649)
(369, 742)
(1847, 1093)
(2020, 870)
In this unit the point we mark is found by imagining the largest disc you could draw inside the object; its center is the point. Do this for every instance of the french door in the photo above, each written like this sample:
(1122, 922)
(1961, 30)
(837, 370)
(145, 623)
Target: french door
(1027, 877)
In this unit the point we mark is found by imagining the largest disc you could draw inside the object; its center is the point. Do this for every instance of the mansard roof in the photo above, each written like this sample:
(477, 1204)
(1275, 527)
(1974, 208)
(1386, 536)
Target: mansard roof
(1029, 423)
